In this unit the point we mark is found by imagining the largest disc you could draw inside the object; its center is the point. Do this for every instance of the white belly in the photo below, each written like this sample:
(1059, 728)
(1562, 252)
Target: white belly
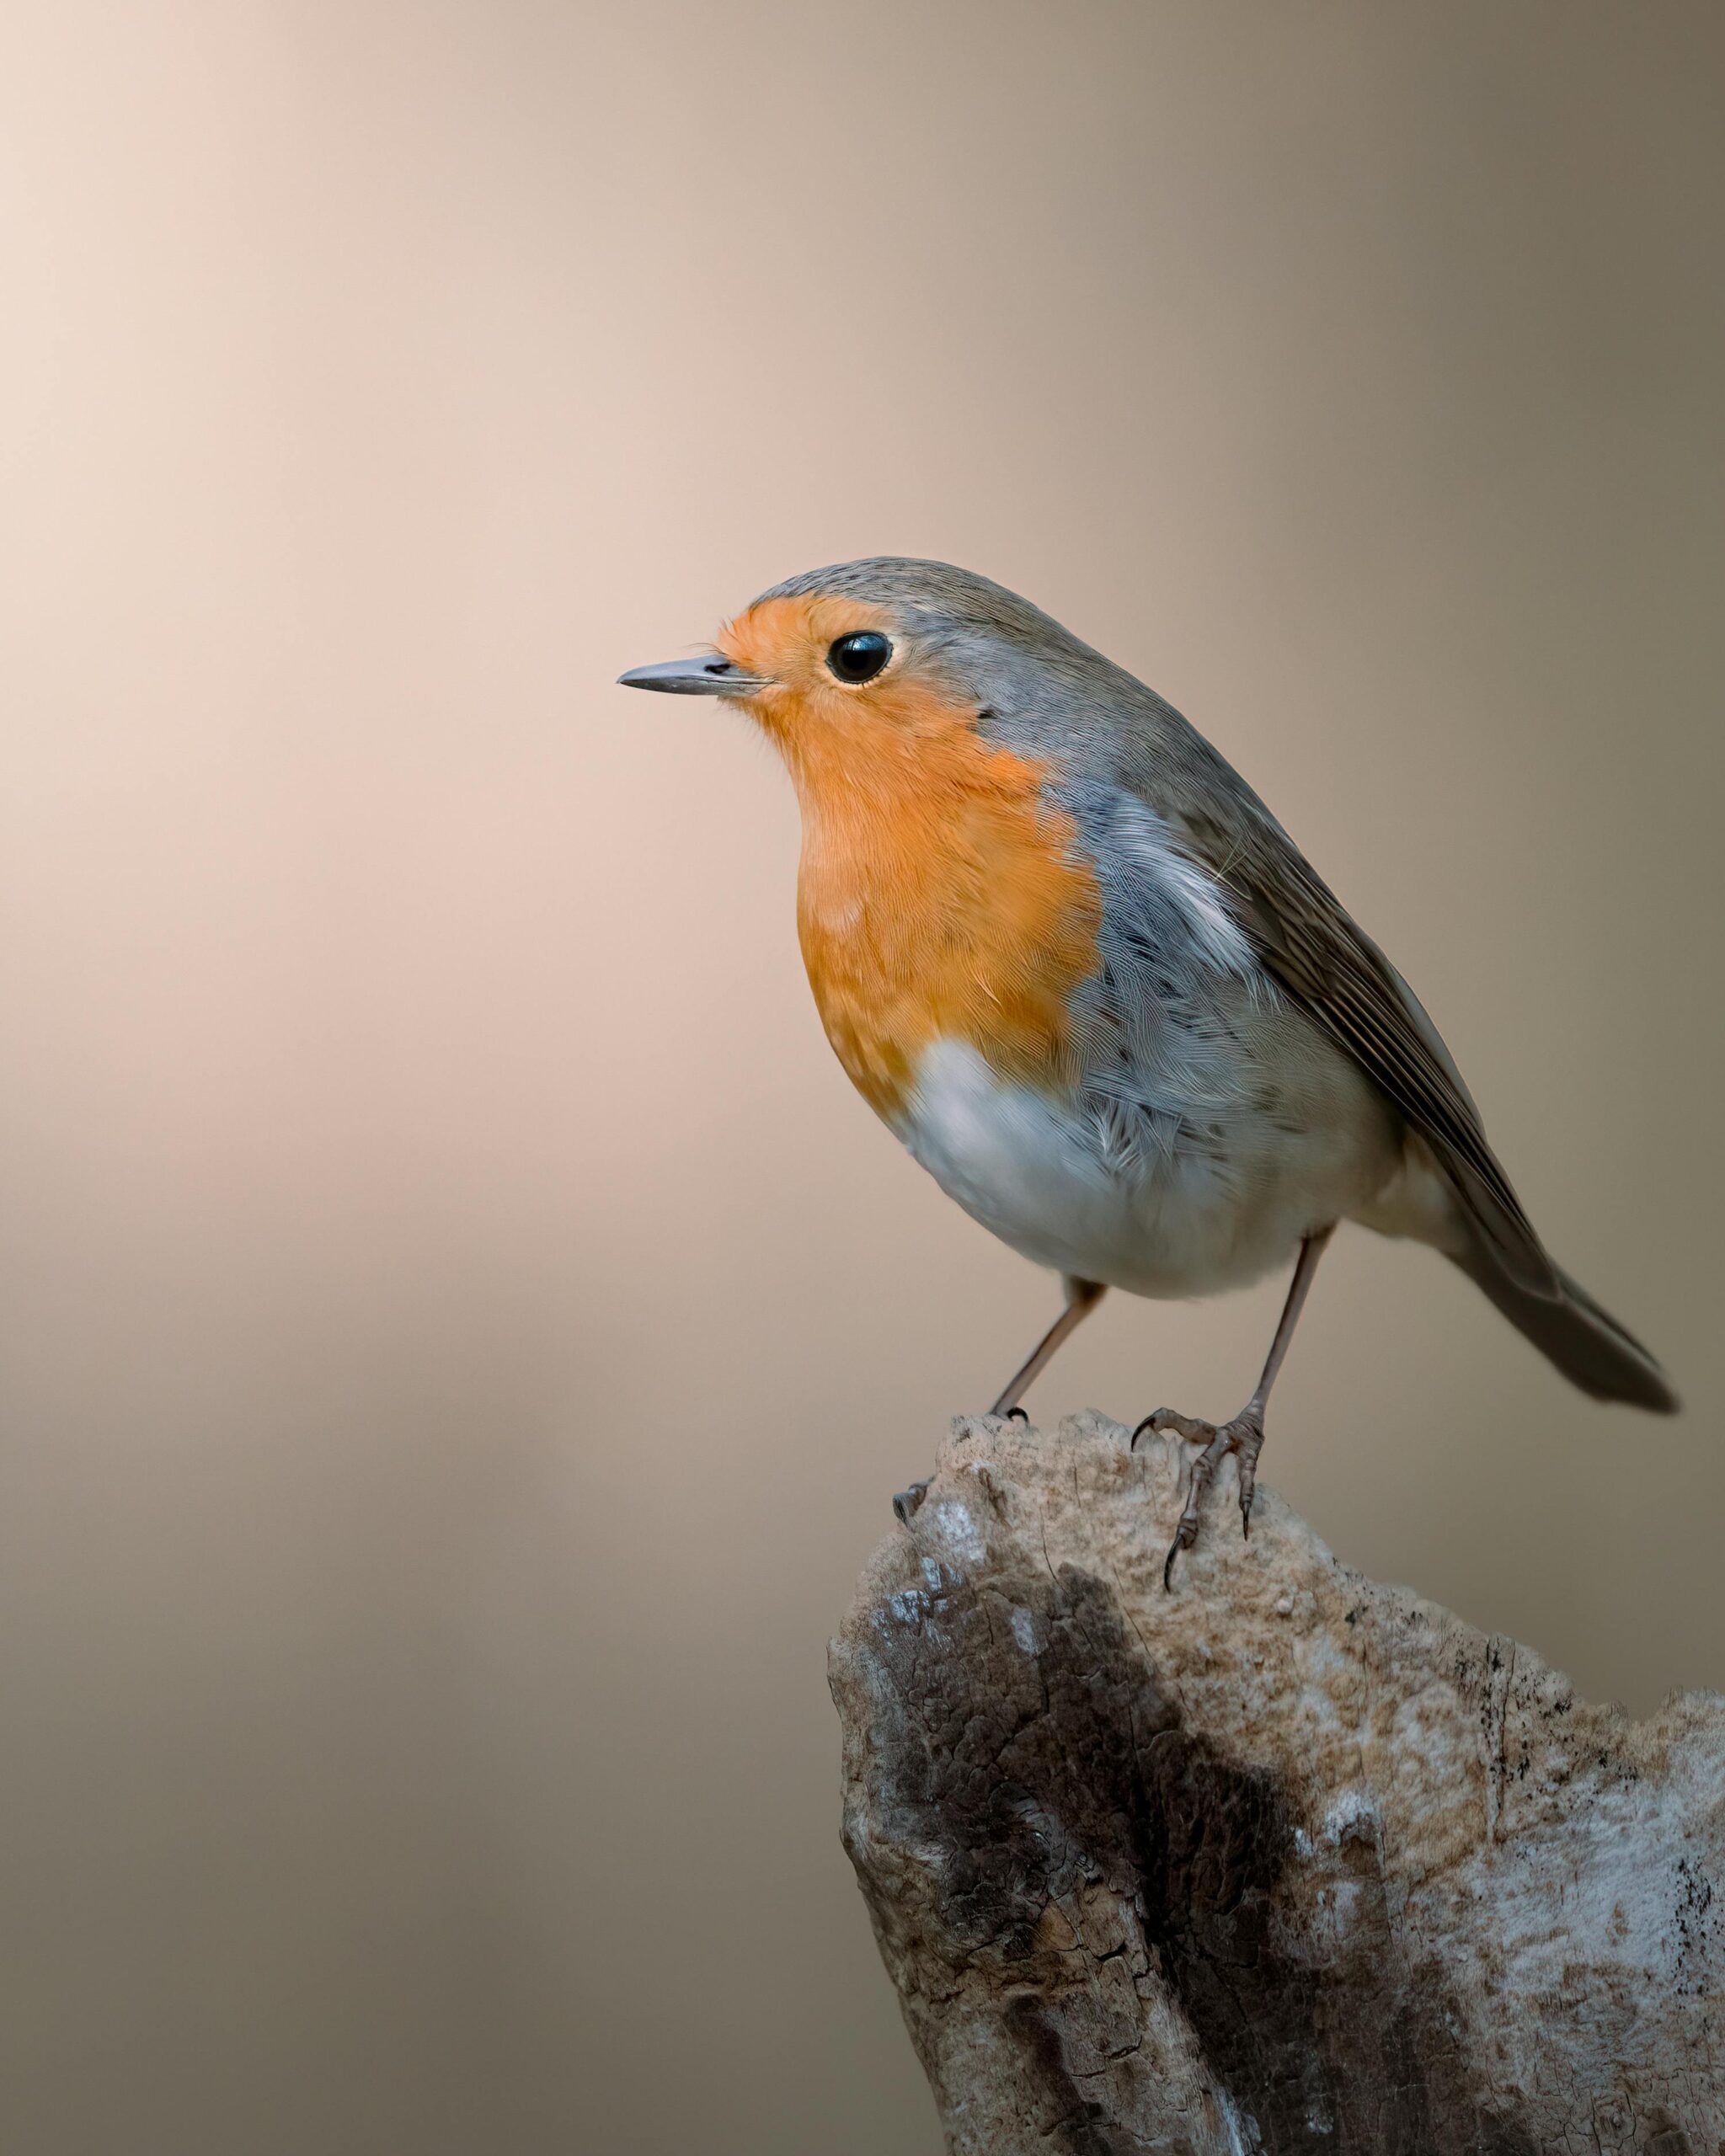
(1198, 1215)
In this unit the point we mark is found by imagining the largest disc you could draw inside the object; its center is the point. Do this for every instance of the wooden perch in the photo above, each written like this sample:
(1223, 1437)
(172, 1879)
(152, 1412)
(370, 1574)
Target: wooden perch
(1281, 1861)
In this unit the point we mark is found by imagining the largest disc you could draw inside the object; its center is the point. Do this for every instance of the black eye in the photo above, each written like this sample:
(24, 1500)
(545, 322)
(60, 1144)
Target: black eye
(861, 657)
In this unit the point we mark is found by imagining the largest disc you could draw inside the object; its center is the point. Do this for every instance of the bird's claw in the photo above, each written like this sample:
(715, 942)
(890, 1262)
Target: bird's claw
(1243, 1437)
(1185, 1534)
(908, 1503)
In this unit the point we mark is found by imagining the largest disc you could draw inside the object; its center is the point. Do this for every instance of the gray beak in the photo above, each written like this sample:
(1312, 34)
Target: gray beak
(709, 675)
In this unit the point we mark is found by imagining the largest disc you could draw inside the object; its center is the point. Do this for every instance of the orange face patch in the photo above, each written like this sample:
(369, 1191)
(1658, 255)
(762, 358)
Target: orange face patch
(939, 897)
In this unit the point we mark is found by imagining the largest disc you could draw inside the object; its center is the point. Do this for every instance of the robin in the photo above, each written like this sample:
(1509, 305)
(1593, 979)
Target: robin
(1068, 955)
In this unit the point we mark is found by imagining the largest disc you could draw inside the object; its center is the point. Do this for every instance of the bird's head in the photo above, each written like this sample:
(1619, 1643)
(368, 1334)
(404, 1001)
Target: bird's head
(872, 661)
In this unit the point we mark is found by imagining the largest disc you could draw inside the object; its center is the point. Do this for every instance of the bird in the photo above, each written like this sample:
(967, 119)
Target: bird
(1075, 965)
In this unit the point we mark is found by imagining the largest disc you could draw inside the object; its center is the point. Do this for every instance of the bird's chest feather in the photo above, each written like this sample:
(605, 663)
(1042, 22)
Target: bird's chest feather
(945, 900)
(1133, 1108)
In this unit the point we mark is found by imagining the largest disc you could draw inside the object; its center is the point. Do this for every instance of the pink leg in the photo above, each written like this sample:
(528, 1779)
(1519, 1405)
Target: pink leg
(1244, 1435)
(1082, 1297)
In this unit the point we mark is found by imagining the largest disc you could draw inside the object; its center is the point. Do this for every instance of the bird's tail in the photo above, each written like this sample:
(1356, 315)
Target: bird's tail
(1569, 1328)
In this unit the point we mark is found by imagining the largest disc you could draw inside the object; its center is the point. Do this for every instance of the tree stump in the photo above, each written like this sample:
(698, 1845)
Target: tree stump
(1281, 1860)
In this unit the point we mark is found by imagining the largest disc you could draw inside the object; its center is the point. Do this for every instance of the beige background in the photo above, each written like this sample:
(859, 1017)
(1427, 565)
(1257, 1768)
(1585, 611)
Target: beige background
(459, 1332)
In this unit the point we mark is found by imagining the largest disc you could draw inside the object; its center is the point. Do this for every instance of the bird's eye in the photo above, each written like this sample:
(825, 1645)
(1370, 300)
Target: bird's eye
(859, 658)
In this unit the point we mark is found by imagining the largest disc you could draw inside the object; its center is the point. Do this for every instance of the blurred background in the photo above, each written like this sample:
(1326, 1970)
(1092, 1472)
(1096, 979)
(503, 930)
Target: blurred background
(458, 1333)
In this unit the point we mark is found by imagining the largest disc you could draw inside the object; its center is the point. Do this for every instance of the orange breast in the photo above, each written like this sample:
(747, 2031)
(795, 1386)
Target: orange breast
(939, 897)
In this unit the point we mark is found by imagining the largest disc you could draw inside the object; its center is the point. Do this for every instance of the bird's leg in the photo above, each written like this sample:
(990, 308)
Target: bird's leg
(1082, 1297)
(1244, 1435)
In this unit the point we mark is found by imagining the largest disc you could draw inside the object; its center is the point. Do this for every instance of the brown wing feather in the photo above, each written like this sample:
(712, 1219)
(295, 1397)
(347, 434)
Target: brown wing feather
(1304, 935)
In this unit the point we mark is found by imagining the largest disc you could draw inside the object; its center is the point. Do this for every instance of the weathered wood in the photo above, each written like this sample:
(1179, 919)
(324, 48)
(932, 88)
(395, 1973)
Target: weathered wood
(1282, 1861)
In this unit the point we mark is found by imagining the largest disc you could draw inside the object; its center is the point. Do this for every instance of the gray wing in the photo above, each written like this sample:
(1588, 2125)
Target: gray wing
(1105, 728)
(1303, 935)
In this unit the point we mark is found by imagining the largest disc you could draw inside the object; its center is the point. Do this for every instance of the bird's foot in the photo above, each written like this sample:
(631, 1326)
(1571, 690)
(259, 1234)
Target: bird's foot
(909, 1503)
(1243, 1437)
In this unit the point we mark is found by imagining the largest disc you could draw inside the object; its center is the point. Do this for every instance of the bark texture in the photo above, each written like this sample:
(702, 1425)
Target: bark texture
(1281, 1861)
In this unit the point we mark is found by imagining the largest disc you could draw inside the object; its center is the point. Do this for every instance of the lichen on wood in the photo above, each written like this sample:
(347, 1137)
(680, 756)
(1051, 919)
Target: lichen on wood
(1282, 1861)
